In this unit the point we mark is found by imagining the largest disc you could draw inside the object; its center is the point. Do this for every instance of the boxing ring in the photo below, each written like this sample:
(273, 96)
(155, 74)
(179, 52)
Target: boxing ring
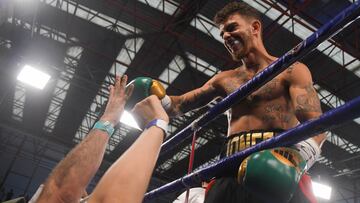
(329, 120)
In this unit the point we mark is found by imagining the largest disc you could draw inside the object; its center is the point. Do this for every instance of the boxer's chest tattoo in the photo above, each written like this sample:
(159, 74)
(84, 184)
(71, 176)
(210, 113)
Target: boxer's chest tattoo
(267, 92)
(231, 86)
(242, 77)
(272, 108)
(276, 111)
(235, 82)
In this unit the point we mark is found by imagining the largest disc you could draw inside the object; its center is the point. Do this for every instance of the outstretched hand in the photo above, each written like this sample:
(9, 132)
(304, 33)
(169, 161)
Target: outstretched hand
(117, 98)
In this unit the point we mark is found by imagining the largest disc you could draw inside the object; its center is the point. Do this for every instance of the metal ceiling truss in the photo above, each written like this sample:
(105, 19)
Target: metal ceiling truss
(199, 21)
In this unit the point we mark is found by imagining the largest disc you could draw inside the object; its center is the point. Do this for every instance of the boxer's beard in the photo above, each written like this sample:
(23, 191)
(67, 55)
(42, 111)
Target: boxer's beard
(237, 56)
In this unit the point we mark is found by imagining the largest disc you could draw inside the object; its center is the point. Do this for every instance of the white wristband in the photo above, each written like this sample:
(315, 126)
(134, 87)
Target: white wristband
(160, 124)
(166, 102)
(309, 151)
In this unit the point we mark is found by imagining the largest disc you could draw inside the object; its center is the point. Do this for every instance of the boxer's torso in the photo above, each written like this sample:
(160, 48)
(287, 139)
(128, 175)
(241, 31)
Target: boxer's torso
(267, 108)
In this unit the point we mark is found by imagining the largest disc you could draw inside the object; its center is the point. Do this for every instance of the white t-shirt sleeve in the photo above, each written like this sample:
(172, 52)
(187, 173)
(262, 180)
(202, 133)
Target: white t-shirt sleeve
(37, 194)
(196, 195)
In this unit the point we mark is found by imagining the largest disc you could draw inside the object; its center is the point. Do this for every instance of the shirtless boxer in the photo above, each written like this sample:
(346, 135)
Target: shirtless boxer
(281, 104)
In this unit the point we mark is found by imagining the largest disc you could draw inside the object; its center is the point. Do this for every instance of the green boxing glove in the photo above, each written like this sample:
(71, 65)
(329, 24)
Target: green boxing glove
(273, 174)
(144, 87)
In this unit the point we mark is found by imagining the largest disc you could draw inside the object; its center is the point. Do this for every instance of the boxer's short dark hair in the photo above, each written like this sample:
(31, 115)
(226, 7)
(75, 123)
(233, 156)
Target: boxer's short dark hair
(236, 7)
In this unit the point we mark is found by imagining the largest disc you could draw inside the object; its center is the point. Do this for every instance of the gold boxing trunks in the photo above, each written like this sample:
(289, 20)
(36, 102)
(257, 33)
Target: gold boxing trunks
(243, 140)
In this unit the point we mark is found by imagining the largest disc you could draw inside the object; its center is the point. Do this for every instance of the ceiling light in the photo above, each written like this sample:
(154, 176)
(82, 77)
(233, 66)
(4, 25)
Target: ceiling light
(321, 190)
(129, 120)
(33, 77)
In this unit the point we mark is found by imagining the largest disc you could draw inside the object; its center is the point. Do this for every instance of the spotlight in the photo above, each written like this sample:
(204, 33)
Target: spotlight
(33, 77)
(129, 120)
(321, 190)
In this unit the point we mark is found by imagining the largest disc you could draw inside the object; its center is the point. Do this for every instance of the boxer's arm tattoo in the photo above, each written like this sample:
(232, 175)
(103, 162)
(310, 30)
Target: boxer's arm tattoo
(197, 99)
(308, 102)
(290, 69)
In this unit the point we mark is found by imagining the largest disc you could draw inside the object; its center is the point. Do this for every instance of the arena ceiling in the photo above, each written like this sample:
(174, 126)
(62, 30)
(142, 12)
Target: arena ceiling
(83, 44)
